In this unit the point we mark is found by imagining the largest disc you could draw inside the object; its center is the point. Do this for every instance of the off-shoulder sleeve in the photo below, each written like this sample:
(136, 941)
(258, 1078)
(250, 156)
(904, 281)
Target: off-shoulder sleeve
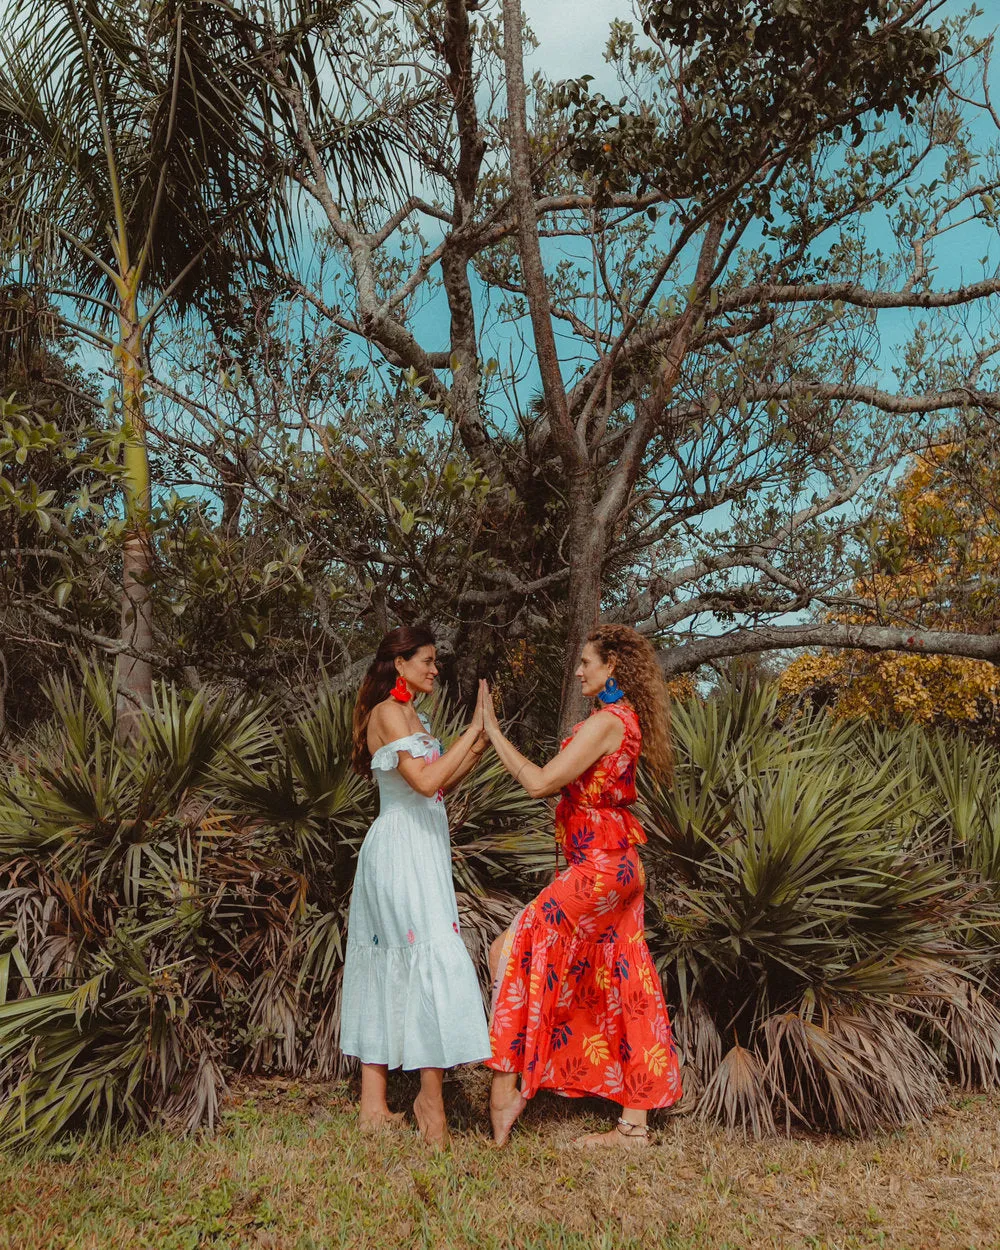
(387, 758)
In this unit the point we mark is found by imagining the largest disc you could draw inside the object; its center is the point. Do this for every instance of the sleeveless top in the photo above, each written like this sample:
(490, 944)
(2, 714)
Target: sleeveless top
(593, 810)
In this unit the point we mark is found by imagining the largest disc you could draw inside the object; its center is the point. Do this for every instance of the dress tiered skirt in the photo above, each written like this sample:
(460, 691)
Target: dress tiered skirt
(411, 997)
(578, 1006)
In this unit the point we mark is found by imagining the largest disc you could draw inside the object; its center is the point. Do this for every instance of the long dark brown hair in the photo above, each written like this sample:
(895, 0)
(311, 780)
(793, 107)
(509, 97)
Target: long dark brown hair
(639, 676)
(403, 642)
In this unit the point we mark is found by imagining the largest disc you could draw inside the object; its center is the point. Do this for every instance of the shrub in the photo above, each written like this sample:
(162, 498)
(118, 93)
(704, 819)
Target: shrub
(174, 909)
(818, 936)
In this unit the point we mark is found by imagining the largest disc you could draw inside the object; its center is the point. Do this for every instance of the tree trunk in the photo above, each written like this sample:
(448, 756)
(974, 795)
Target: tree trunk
(135, 674)
(586, 558)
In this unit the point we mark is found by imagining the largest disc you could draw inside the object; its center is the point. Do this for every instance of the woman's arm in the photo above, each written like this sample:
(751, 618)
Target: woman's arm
(476, 753)
(425, 778)
(598, 735)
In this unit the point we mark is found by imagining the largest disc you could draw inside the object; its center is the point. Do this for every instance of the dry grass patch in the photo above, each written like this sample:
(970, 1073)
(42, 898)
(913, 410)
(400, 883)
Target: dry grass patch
(288, 1172)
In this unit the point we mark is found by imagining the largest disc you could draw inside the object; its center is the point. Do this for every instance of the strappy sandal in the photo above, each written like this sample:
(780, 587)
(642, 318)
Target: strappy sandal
(628, 1129)
(625, 1128)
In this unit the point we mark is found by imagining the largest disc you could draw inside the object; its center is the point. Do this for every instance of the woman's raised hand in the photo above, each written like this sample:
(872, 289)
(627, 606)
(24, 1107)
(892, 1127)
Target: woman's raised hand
(490, 722)
(477, 723)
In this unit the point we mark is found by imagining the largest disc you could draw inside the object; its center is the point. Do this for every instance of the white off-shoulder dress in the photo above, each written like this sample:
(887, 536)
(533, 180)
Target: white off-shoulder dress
(411, 997)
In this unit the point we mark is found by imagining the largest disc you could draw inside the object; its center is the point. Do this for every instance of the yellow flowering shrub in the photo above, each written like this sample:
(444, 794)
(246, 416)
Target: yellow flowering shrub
(934, 562)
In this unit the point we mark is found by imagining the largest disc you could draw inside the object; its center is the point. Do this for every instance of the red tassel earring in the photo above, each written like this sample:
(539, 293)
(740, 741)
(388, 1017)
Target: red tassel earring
(401, 691)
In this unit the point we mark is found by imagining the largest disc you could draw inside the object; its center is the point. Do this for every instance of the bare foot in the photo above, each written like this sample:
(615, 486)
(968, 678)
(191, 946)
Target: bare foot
(503, 1115)
(380, 1120)
(626, 1136)
(431, 1123)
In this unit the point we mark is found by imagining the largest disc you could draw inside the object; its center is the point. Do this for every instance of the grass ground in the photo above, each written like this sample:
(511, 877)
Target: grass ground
(288, 1172)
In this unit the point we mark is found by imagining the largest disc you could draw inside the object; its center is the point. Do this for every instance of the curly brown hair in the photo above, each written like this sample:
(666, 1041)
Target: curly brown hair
(405, 641)
(638, 674)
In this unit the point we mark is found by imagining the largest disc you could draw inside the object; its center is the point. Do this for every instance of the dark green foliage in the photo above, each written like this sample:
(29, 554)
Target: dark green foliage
(818, 909)
(760, 84)
(175, 910)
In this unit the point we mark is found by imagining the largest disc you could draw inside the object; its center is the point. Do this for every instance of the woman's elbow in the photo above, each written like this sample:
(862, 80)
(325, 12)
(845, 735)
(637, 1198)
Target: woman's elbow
(424, 786)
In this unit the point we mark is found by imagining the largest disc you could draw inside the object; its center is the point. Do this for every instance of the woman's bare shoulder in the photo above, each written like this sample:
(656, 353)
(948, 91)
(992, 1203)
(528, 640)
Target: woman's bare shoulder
(389, 722)
(608, 725)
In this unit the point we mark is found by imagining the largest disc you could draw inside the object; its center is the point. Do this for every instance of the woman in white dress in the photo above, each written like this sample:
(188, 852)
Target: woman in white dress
(411, 997)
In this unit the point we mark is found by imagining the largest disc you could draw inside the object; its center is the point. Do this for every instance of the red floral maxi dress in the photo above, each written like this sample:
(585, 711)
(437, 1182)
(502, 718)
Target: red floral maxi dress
(578, 1006)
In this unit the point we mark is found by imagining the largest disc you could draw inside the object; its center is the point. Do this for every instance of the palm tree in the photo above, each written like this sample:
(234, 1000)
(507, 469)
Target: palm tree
(143, 167)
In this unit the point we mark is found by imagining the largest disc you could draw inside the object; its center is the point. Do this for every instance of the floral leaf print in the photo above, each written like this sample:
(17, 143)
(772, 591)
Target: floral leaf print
(561, 1033)
(573, 1072)
(657, 1057)
(646, 978)
(583, 838)
(579, 967)
(602, 977)
(624, 1049)
(636, 1006)
(626, 871)
(596, 1049)
(585, 926)
(567, 995)
(517, 1042)
(638, 1087)
(551, 977)
(552, 912)
(621, 967)
(517, 994)
(614, 1079)
(589, 998)
(608, 903)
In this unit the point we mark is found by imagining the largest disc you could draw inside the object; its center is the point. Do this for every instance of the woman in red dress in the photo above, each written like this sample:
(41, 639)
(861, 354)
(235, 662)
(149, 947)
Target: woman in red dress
(577, 1003)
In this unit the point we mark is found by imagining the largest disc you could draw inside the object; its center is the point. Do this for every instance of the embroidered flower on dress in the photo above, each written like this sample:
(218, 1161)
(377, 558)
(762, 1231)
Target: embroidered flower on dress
(375, 938)
(454, 925)
(411, 937)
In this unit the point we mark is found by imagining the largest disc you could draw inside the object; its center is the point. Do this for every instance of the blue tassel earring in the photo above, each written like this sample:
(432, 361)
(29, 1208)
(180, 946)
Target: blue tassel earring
(612, 692)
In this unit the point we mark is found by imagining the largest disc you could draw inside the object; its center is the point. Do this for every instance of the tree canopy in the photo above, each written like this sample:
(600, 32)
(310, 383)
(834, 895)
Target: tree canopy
(506, 354)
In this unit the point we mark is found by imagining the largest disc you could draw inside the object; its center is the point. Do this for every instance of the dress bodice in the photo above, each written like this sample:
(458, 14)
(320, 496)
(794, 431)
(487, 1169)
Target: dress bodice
(594, 807)
(393, 788)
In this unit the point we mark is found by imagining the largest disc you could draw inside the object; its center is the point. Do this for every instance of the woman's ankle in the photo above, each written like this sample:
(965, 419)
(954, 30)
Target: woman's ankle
(637, 1116)
(504, 1089)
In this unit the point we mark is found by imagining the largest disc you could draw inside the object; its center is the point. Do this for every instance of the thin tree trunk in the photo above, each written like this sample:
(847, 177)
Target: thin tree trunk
(586, 545)
(135, 674)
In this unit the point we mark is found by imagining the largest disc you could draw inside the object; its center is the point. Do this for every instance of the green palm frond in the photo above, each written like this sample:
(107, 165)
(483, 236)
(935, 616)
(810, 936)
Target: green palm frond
(793, 864)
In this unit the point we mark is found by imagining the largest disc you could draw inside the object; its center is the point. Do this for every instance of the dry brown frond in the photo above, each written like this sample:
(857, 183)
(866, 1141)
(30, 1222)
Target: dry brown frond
(738, 1094)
